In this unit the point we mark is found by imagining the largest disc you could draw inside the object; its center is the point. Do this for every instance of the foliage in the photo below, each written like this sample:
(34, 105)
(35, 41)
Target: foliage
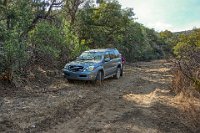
(46, 38)
(169, 41)
(15, 16)
(108, 25)
(187, 42)
(187, 51)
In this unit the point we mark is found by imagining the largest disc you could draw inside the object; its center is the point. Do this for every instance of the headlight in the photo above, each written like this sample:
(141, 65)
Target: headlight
(90, 68)
(66, 66)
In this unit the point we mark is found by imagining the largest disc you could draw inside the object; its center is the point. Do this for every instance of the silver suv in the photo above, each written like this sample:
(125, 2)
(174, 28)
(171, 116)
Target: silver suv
(95, 65)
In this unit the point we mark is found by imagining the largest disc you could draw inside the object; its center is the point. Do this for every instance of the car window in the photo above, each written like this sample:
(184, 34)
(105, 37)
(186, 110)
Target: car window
(112, 54)
(106, 55)
(90, 56)
(117, 55)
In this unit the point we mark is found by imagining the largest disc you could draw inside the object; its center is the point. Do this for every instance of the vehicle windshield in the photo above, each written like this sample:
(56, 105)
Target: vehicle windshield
(90, 56)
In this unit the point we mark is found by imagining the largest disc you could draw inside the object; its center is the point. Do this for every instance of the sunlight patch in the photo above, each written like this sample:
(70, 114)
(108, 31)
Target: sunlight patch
(158, 70)
(147, 99)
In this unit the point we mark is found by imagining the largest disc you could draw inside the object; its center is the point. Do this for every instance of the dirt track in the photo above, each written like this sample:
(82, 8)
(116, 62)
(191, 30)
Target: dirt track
(140, 101)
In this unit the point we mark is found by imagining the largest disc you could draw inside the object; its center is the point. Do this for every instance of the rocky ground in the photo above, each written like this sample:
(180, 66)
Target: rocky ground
(140, 101)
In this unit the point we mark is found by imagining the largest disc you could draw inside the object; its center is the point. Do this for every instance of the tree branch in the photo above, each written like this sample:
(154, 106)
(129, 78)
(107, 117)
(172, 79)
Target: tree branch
(39, 17)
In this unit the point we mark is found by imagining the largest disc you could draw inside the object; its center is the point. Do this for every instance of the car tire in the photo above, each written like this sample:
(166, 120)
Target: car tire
(122, 71)
(118, 73)
(99, 78)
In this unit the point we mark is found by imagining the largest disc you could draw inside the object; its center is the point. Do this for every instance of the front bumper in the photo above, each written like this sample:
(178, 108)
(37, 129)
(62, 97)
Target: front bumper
(80, 75)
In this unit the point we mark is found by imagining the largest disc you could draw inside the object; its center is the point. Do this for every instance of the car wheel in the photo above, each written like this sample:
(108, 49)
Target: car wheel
(99, 78)
(122, 72)
(118, 73)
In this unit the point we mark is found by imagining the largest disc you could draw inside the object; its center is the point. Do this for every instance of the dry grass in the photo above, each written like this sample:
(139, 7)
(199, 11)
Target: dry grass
(190, 106)
(187, 96)
(182, 84)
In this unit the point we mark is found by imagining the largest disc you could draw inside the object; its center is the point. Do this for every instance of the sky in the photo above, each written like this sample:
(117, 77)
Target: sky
(173, 15)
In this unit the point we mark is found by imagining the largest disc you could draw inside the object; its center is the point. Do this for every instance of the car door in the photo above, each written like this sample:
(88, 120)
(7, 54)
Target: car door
(113, 62)
(107, 64)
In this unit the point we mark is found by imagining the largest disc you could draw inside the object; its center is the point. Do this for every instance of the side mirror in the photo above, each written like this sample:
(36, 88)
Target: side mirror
(107, 59)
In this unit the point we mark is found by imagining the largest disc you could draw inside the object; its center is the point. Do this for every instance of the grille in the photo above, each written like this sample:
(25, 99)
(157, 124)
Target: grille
(75, 68)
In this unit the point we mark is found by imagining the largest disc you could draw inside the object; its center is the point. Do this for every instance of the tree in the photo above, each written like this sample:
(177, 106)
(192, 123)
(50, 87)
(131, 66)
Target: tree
(70, 8)
(102, 25)
(18, 18)
(169, 40)
(187, 51)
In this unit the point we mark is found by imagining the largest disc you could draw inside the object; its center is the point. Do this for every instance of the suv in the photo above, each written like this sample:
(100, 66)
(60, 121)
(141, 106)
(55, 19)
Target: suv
(95, 65)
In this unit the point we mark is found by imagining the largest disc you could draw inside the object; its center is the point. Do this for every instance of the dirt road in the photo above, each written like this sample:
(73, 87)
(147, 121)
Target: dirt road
(140, 101)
